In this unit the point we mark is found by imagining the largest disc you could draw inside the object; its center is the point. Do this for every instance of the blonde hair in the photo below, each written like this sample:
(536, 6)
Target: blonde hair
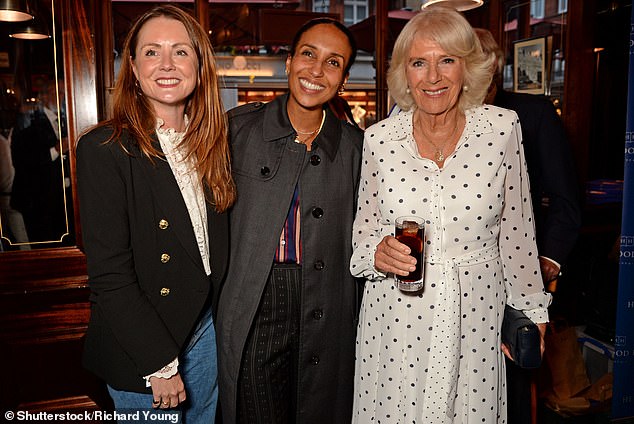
(206, 137)
(453, 34)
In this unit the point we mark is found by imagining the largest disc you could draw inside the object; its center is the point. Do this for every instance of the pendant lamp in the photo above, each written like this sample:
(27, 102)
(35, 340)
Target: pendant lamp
(31, 30)
(459, 5)
(14, 11)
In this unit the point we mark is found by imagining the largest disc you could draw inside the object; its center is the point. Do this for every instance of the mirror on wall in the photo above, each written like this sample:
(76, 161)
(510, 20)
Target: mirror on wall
(35, 183)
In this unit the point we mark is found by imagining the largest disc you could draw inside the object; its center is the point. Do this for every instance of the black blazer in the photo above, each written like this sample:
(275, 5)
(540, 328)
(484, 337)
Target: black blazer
(554, 187)
(145, 272)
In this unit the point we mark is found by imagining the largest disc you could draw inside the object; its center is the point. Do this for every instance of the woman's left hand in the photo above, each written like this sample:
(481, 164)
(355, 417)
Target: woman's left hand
(507, 352)
(542, 344)
(168, 392)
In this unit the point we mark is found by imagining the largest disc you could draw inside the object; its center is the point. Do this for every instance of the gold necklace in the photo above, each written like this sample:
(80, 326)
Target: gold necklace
(311, 133)
(440, 156)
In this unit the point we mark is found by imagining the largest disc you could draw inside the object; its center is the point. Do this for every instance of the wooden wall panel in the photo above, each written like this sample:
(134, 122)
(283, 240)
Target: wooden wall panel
(44, 307)
(579, 80)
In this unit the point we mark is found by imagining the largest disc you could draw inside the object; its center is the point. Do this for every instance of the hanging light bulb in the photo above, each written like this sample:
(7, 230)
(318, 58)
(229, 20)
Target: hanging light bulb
(30, 30)
(459, 5)
(14, 11)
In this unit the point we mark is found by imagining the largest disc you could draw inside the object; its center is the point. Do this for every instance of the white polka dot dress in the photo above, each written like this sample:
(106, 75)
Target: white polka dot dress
(434, 357)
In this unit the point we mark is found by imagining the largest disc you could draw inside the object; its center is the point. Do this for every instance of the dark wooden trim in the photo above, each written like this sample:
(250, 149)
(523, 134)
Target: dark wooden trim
(494, 13)
(579, 78)
(524, 21)
(202, 13)
(30, 268)
(381, 57)
(70, 404)
(104, 44)
(80, 63)
(44, 296)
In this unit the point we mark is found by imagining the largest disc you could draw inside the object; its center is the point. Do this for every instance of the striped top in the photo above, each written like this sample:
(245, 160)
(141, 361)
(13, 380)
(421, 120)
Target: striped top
(289, 249)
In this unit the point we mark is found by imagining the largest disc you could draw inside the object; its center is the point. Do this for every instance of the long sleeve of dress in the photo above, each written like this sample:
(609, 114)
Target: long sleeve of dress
(367, 231)
(518, 249)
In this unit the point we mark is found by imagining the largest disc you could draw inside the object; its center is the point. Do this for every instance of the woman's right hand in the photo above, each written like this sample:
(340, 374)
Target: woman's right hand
(392, 256)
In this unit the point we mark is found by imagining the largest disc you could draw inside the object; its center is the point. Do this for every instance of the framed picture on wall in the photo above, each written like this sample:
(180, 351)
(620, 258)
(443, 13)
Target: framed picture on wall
(530, 66)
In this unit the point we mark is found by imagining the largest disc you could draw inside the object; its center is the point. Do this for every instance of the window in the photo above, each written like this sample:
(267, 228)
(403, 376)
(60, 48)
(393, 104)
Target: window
(321, 6)
(354, 11)
(562, 6)
(537, 9)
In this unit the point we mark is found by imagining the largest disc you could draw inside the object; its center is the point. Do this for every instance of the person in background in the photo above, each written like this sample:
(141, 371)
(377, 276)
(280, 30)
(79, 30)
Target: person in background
(11, 221)
(38, 147)
(288, 310)
(554, 195)
(154, 186)
(435, 356)
(554, 189)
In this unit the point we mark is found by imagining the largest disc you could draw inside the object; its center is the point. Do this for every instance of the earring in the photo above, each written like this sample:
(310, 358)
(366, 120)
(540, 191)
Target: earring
(342, 88)
(407, 90)
(286, 71)
(465, 88)
(139, 92)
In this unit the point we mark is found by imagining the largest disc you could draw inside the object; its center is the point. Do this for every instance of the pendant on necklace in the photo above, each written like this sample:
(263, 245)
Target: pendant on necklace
(439, 156)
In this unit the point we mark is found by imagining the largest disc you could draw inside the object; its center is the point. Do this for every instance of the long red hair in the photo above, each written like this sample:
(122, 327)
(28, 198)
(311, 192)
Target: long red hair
(207, 133)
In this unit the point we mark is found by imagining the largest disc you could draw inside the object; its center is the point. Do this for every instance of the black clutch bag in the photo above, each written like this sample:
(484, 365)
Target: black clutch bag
(521, 335)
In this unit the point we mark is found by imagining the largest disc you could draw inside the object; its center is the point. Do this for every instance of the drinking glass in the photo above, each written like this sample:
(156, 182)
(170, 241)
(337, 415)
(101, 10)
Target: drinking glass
(410, 230)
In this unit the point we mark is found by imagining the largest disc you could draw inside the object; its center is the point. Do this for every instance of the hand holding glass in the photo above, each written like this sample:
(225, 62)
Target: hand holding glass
(410, 230)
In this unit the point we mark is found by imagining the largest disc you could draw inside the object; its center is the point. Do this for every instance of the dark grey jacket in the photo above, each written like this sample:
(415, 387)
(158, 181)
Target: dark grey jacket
(267, 165)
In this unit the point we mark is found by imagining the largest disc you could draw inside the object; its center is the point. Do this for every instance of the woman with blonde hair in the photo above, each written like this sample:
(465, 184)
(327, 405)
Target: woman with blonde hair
(154, 186)
(434, 355)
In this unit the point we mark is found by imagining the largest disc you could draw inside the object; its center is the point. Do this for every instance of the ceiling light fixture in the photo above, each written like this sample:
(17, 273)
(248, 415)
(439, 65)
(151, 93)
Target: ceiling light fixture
(459, 5)
(14, 11)
(30, 30)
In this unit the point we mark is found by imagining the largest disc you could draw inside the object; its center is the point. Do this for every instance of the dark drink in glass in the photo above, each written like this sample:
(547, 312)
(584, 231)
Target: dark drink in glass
(410, 230)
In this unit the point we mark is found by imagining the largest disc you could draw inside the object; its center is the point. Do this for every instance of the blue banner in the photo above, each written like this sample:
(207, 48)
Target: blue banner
(623, 394)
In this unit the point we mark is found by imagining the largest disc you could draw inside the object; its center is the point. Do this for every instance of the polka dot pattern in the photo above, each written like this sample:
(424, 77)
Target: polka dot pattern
(434, 357)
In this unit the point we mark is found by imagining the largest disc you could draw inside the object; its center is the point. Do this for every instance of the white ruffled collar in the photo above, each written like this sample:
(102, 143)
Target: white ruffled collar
(170, 134)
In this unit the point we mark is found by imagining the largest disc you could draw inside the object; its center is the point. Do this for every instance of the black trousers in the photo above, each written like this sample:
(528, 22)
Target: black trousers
(267, 386)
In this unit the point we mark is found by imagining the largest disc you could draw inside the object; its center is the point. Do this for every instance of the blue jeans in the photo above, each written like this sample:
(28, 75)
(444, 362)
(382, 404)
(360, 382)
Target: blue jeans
(198, 367)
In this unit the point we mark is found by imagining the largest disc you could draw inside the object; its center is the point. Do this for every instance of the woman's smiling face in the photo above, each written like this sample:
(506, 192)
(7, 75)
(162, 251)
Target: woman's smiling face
(316, 70)
(165, 63)
(434, 77)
